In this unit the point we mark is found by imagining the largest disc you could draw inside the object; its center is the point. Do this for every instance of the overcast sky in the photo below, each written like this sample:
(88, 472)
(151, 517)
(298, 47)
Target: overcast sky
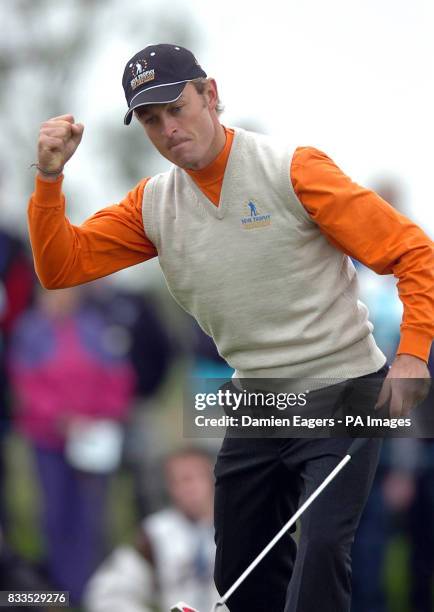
(352, 77)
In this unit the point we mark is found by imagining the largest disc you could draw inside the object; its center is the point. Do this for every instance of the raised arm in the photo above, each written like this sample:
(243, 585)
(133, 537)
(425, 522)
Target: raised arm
(66, 254)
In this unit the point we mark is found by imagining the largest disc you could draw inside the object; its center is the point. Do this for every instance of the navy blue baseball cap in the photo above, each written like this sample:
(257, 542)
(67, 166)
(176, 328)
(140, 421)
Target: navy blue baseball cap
(158, 75)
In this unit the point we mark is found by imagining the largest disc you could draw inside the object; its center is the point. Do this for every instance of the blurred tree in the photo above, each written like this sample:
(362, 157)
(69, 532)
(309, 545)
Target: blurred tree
(41, 49)
(47, 50)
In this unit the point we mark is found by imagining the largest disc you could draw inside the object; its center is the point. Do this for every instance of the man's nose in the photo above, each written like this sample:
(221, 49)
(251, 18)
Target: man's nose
(168, 126)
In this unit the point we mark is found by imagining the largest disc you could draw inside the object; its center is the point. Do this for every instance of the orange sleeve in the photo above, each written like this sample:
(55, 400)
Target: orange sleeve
(67, 255)
(360, 223)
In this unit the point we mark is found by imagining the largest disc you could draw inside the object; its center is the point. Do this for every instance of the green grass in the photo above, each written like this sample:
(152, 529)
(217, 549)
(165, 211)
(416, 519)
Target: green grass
(23, 501)
(396, 575)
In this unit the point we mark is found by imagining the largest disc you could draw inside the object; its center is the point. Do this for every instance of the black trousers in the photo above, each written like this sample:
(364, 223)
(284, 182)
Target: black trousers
(260, 483)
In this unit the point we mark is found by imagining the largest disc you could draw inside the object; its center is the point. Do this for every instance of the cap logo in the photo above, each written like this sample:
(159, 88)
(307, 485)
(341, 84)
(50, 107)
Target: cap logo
(140, 74)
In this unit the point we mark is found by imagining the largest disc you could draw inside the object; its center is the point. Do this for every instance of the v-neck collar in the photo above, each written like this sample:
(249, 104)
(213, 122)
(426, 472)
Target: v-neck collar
(222, 167)
(216, 169)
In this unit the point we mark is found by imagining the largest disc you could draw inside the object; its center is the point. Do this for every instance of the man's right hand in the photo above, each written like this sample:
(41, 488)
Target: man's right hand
(59, 137)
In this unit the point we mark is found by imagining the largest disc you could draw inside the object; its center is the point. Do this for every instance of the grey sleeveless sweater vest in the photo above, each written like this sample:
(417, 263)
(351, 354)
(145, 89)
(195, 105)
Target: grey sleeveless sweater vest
(257, 273)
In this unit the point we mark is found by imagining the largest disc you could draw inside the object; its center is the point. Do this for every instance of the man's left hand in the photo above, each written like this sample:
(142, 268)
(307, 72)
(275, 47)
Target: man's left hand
(399, 391)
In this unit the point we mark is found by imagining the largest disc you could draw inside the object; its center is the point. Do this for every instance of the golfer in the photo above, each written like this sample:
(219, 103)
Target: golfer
(254, 240)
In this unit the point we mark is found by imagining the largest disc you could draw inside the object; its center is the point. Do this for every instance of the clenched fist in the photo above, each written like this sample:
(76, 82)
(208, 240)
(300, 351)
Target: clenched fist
(58, 139)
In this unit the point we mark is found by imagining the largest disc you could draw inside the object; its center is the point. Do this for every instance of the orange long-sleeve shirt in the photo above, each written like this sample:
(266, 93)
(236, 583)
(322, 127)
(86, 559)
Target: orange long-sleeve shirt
(354, 219)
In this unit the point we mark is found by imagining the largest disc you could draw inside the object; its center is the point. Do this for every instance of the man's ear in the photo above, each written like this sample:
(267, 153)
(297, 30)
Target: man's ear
(212, 94)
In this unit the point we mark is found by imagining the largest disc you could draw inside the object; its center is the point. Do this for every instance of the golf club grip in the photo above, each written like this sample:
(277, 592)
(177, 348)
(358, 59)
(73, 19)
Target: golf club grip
(356, 445)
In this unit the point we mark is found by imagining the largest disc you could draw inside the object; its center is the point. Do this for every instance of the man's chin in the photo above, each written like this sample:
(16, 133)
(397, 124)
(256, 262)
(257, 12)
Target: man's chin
(184, 159)
(185, 162)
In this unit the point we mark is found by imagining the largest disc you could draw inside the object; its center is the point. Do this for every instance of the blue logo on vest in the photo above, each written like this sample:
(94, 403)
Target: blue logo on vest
(253, 212)
(253, 218)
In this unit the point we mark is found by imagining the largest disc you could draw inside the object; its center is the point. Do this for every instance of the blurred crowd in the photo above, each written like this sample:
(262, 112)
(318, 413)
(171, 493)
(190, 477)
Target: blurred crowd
(401, 502)
(81, 378)
(81, 371)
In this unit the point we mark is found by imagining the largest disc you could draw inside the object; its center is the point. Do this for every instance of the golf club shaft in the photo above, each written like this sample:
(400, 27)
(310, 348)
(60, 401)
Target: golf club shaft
(284, 529)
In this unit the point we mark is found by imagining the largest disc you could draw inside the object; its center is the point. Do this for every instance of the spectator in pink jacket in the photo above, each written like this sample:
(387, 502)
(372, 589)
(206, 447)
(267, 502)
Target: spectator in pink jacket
(73, 386)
